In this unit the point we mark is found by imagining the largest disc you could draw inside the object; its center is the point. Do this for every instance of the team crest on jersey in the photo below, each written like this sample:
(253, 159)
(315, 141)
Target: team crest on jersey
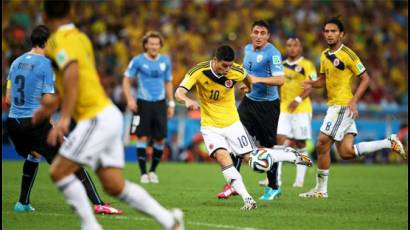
(228, 83)
(336, 62)
(298, 68)
(259, 58)
(162, 66)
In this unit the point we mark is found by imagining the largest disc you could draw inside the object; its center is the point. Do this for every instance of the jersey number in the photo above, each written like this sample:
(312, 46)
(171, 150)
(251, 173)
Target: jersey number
(20, 81)
(214, 95)
(243, 141)
(328, 125)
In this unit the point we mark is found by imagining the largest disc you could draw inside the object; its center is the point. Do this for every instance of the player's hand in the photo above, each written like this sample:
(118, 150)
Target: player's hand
(191, 105)
(244, 89)
(56, 135)
(353, 110)
(292, 106)
(307, 84)
(132, 105)
(170, 111)
(40, 115)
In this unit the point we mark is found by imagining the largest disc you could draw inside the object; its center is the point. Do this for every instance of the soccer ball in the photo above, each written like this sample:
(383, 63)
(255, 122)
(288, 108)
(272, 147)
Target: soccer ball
(260, 160)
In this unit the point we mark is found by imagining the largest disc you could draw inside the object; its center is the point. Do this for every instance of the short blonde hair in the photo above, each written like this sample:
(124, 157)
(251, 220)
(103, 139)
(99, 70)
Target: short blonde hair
(151, 34)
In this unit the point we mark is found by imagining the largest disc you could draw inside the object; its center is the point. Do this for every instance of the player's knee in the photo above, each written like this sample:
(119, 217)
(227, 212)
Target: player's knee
(113, 189)
(55, 174)
(346, 153)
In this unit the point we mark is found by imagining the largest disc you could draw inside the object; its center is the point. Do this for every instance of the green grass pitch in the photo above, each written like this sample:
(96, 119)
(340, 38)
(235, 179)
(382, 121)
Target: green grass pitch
(360, 197)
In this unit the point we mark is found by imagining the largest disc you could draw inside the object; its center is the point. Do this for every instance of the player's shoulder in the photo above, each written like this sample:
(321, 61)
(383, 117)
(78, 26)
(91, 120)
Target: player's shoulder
(306, 61)
(248, 47)
(271, 48)
(349, 52)
(237, 68)
(165, 57)
(324, 52)
(198, 68)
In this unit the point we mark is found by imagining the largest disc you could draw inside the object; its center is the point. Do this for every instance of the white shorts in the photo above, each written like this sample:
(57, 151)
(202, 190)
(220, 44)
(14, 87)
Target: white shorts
(338, 122)
(233, 138)
(97, 142)
(295, 125)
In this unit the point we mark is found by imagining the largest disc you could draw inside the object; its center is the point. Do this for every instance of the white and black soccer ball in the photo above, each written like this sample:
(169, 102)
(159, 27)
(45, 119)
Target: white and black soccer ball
(260, 160)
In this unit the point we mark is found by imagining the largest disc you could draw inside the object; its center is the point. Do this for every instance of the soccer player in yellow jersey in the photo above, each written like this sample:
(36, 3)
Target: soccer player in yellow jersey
(96, 140)
(221, 128)
(338, 66)
(294, 126)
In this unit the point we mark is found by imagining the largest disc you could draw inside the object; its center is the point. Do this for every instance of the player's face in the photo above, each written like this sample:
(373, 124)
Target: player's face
(332, 34)
(260, 36)
(222, 67)
(293, 48)
(153, 46)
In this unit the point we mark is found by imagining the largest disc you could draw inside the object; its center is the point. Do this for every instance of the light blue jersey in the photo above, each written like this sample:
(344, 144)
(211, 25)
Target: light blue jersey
(266, 62)
(31, 76)
(151, 75)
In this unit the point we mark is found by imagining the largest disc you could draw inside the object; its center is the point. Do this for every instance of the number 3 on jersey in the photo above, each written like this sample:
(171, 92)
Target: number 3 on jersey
(20, 81)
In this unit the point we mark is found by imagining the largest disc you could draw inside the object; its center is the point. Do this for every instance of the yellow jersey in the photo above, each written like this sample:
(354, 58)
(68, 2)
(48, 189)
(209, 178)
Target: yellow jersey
(339, 68)
(295, 74)
(69, 44)
(216, 93)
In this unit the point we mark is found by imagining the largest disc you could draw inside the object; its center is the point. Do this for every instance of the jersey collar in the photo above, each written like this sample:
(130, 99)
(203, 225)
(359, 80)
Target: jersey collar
(213, 72)
(336, 50)
(66, 26)
(149, 58)
(294, 62)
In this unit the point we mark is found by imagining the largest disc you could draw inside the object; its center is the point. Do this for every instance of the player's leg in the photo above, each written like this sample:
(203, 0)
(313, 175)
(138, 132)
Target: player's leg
(136, 197)
(30, 168)
(302, 131)
(62, 174)
(233, 177)
(300, 145)
(156, 158)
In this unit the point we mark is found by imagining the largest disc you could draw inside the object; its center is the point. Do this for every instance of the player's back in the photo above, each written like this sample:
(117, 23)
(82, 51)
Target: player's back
(67, 45)
(30, 76)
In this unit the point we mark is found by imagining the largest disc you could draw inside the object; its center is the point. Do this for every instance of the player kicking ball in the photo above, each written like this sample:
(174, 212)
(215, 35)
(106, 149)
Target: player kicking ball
(220, 125)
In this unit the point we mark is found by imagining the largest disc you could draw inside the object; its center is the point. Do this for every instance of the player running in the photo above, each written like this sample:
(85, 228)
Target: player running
(221, 128)
(338, 66)
(29, 83)
(97, 138)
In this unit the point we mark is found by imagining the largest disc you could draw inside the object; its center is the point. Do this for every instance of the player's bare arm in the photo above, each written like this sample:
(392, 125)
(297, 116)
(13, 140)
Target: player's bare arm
(49, 104)
(170, 98)
(8, 96)
(70, 87)
(131, 103)
(246, 87)
(319, 83)
(364, 83)
(273, 80)
(294, 104)
(181, 97)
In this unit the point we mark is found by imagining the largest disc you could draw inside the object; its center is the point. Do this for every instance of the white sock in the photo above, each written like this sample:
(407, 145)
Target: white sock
(278, 154)
(233, 177)
(136, 197)
(321, 180)
(301, 169)
(76, 196)
(279, 178)
(371, 146)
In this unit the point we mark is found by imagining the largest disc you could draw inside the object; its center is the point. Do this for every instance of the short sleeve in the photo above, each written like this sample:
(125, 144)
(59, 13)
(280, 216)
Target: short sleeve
(132, 68)
(322, 63)
(168, 72)
(65, 54)
(355, 65)
(189, 81)
(276, 64)
(49, 79)
(311, 73)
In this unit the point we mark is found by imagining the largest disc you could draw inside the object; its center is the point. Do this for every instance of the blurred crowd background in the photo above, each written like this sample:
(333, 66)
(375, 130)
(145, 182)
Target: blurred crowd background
(375, 29)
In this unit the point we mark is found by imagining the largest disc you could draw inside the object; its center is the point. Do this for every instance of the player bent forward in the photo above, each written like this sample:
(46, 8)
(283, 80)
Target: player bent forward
(220, 124)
